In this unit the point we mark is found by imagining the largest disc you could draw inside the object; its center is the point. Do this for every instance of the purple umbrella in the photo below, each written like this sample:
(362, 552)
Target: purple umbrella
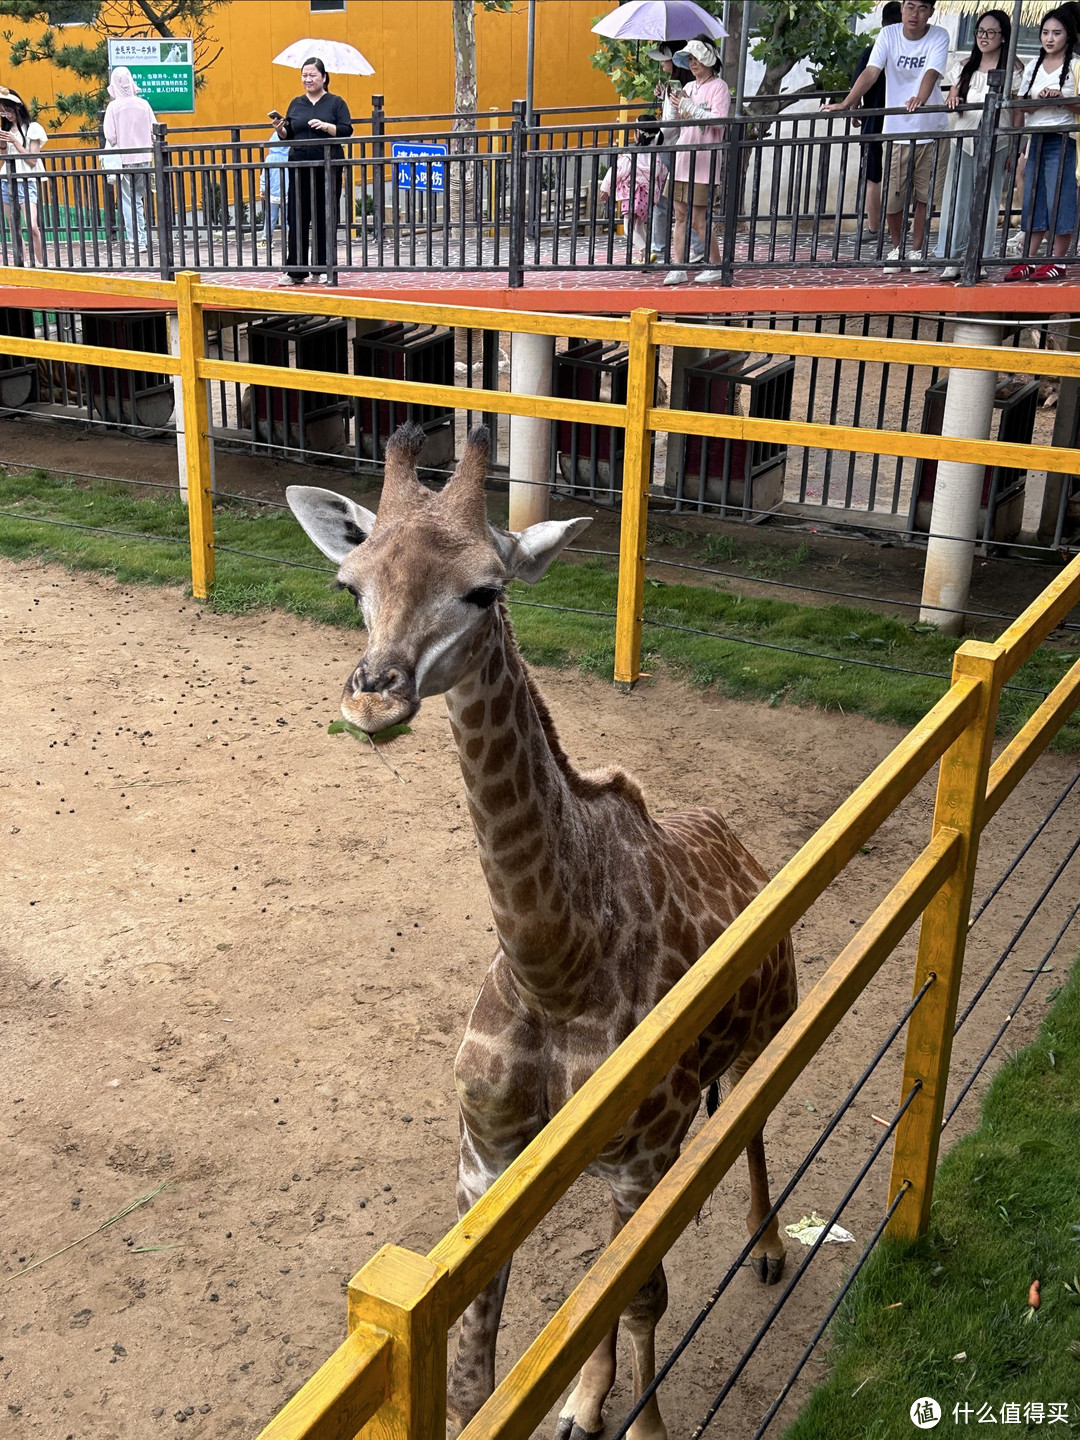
(659, 20)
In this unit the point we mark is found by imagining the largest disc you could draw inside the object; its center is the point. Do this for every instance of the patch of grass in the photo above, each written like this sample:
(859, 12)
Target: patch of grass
(1006, 1212)
(152, 549)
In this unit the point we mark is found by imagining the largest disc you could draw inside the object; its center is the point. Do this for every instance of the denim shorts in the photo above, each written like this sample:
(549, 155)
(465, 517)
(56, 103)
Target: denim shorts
(28, 192)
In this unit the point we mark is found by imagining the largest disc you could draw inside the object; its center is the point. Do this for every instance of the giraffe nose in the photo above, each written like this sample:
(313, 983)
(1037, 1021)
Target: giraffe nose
(385, 680)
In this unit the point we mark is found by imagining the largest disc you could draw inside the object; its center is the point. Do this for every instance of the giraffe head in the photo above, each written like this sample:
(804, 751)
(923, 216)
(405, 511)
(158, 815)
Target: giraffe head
(427, 570)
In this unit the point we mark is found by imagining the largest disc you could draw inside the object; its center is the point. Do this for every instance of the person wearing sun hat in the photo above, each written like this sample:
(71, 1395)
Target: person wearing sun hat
(21, 140)
(674, 80)
(707, 98)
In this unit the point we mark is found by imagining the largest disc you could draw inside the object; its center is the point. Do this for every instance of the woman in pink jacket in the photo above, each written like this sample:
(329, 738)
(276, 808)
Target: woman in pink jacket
(129, 126)
(696, 173)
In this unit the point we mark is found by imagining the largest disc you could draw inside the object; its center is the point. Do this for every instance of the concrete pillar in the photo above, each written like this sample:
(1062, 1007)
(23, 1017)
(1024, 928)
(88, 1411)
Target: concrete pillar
(969, 409)
(531, 362)
(178, 412)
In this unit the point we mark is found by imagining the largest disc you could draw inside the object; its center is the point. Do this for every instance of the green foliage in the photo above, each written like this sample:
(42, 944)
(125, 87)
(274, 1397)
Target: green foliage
(762, 649)
(949, 1317)
(787, 31)
(88, 62)
(819, 31)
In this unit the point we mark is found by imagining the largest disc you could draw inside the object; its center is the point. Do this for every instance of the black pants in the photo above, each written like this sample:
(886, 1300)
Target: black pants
(307, 203)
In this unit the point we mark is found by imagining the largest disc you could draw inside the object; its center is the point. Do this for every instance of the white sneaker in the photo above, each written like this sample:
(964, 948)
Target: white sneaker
(676, 277)
(917, 269)
(951, 272)
(894, 254)
(709, 277)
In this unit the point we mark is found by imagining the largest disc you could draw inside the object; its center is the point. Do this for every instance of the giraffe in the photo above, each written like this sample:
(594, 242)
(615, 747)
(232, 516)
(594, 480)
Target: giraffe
(599, 906)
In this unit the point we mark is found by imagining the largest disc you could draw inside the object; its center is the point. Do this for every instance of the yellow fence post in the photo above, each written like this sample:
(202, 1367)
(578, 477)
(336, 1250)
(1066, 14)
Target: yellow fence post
(189, 317)
(959, 804)
(637, 466)
(404, 1295)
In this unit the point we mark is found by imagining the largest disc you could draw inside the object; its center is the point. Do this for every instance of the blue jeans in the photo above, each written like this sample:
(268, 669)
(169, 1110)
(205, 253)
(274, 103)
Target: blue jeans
(1049, 151)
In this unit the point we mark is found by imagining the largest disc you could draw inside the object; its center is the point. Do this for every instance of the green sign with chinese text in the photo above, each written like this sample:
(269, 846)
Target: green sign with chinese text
(164, 71)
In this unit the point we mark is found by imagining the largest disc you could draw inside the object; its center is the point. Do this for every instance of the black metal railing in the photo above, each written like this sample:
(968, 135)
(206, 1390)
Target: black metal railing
(794, 191)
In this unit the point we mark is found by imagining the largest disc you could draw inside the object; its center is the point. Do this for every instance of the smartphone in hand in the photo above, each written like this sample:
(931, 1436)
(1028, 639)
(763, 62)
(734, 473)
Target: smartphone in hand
(274, 115)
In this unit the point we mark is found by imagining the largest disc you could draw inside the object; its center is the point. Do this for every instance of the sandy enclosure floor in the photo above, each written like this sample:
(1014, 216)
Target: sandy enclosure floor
(237, 958)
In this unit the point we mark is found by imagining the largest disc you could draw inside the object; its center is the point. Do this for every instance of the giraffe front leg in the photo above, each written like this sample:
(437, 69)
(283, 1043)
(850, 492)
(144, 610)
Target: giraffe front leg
(583, 1414)
(472, 1372)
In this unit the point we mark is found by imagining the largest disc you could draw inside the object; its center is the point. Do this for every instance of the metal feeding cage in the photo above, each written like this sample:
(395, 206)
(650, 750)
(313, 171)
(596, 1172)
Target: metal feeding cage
(18, 376)
(589, 458)
(303, 421)
(131, 399)
(421, 353)
(732, 477)
(1001, 506)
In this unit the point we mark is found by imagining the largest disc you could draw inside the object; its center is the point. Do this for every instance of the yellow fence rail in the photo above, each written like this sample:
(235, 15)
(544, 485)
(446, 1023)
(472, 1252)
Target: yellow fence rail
(388, 1377)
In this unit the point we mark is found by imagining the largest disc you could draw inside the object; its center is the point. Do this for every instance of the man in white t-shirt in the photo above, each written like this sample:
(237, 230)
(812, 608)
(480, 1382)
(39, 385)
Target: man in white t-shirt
(912, 56)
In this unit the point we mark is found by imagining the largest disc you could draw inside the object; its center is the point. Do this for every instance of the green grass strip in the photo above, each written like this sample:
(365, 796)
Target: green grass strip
(1006, 1212)
(835, 636)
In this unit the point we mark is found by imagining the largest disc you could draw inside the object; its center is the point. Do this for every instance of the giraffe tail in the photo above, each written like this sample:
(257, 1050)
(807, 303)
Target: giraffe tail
(712, 1098)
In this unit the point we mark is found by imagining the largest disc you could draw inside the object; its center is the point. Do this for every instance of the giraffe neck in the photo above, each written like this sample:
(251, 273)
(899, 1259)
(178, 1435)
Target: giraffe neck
(530, 825)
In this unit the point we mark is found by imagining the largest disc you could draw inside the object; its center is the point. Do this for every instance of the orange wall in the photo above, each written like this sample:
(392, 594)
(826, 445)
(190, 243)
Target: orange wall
(409, 42)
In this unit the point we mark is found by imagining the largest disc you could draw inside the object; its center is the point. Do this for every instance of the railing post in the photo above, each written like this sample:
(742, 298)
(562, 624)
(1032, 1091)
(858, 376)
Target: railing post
(637, 468)
(200, 500)
(985, 145)
(378, 150)
(515, 268)
(404, 1294)
(330, 208)
(732, 186)
(164, 206)
(961, 791)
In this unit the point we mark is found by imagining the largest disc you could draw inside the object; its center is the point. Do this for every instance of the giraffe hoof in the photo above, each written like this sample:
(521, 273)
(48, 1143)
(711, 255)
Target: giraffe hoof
(569, 1429)
(768, 1268)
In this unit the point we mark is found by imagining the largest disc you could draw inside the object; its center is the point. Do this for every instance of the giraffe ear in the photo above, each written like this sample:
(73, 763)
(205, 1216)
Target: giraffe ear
(528, 554)
(336, 524)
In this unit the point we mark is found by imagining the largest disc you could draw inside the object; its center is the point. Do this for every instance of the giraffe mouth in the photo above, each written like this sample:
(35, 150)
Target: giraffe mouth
(372, 711)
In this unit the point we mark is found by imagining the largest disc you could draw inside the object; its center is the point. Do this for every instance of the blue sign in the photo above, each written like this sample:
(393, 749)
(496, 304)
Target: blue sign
(429, 176)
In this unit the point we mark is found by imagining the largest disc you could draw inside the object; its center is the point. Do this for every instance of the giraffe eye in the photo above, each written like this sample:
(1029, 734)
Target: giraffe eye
(483, 596)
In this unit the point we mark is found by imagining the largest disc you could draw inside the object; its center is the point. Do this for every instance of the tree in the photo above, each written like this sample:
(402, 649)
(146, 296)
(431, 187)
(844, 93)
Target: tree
(464, 23)
(787, 31)
(90, 63)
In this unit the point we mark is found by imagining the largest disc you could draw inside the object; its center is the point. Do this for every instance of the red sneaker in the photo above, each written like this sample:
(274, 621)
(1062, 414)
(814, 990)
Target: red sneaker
(1021, 272)
(1050, 271)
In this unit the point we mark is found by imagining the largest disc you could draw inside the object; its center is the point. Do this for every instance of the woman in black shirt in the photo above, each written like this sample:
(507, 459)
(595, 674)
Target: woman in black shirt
(315, 115)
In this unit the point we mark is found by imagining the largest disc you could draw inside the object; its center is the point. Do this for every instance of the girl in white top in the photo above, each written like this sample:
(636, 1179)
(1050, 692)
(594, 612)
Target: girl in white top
(20, 138)
(968, 81)
(1048, 87)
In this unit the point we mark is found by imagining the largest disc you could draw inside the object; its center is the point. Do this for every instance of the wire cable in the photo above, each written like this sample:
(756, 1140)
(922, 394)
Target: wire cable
(817, 655)
(1040, 969)
(1024, 849)
(774, 1209)
(97, 529)
(770, 1414)
(767, 1323)
(1032, 912)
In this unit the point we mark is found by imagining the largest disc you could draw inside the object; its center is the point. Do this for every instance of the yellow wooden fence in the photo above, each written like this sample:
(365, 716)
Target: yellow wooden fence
(387, 1379)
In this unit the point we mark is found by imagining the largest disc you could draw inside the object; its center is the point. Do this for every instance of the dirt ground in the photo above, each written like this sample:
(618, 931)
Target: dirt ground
(237, 957)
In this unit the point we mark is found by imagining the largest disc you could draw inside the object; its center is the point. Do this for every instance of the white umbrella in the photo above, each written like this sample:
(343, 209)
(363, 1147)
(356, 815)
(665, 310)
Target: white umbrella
(339, 58)
(659, 20)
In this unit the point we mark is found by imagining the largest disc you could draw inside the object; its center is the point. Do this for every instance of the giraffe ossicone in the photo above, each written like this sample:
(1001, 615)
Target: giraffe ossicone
(600, 906)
